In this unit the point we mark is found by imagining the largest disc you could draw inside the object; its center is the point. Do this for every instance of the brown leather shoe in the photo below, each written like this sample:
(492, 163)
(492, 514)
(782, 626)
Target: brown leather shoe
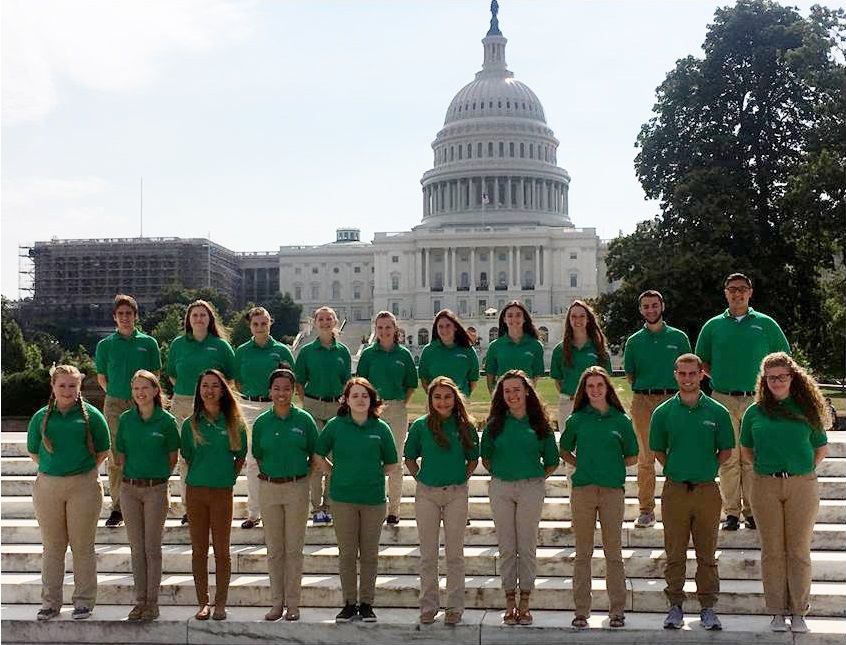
(452, 617)
(203, 613)
(274, 614)
(427, 617)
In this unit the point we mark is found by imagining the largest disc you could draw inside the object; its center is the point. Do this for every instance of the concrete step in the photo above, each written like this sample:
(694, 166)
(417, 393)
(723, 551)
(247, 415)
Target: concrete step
(245, 626)
(827, 566)
(826, 537)
(482, 592)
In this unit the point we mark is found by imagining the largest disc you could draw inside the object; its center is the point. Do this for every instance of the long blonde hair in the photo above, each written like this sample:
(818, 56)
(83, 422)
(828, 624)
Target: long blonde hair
(802, 388)
(55, 372)
(228, 405)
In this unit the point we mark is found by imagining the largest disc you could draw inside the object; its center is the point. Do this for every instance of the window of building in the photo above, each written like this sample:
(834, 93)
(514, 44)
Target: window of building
(297, 271)
(543, 335)
(502, 257)
(490, 148)
(460, 152)
(315, 292)
(501, 149)
(422, 336)
(462, 307)
(298, 292)
(531, 151)
(394, 259)
(314, 269)
(395, 308)
(502, 280)
(522, 150)
(528, 303)
(335, 270)
(511, 149)
(436, 306)
(452, 153)
(574, 255)
(356, 292)
(493, 334)
(479, 149)
(356, 269)
(574, 280)
(336, 290)
(469, 150)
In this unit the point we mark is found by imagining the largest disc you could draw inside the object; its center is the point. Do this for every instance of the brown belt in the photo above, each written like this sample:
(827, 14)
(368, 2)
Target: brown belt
(144, 483)
(280, 480)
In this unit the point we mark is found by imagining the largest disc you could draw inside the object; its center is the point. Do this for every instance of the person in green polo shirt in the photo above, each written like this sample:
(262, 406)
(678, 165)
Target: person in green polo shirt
(447, 444)
(389, 366)
(214, 445)
(583, 345)
(783, 435)
(68, 439)
(204, 345)
(147, 445)
(600, 442)
(323, 367)
(649, 360)
(691, 435)
(732, 346)
(518, 450)
(516, 348)
(117, 358)
(357, 447)
(254, 362)
(450, 353)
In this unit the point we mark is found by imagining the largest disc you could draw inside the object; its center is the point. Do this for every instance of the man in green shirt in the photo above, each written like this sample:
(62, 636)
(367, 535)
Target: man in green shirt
(732, 346)
(117, 358)
(649, 360)
(691, 435)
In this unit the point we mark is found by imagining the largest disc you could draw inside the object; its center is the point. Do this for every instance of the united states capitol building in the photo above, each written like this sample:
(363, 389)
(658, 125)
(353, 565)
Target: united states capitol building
(495, 225)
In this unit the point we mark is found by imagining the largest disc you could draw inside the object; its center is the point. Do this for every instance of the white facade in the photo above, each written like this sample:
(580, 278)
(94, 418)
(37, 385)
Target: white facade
(495, 225)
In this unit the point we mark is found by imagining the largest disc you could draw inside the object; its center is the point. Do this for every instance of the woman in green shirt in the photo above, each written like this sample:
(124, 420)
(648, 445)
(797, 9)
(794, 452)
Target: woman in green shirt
(583, 344)
(283, 443)
(783, 435)
(450, 353)
(146, 446)
(599, 440)
(68, 439)
(518, 449)
(516, 348)
(362, 452)
(214, 445)
(447, 444)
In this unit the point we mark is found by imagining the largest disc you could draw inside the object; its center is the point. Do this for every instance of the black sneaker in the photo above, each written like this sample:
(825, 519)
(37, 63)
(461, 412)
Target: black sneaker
(393, 520)
(185, 519)
(349, 612)
(365, 611)
(731, 523)
(749, 523)
(47, 613)
(81, 613)
(115, 520)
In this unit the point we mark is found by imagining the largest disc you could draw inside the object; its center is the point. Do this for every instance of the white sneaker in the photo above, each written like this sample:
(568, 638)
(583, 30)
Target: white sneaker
(777, 624)
(798, 625)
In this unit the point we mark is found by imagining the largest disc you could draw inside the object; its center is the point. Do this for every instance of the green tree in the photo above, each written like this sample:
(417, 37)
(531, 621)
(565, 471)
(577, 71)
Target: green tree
(169, 327)
(177, 294)
(286, 315)
(51, 349)
(239, 327)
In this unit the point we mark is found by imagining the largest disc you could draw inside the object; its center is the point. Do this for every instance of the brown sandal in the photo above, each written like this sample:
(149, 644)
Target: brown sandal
(511, 615)
(203, 613)
(580, 622)
(524, 616)
(617, 621)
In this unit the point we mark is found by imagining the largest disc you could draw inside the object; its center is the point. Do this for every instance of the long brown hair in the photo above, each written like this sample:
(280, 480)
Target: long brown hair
(535, 409)
(153, 380)
(580, 400)
(462, 338)
(528, 326)
(463, 421)
(55, 372)
(594, 332)
(228, 405)
(375, 409)
(802, 388)
(216, 328)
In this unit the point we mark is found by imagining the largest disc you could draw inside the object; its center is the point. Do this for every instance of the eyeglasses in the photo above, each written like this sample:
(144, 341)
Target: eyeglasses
(738, 289)
(778, 378)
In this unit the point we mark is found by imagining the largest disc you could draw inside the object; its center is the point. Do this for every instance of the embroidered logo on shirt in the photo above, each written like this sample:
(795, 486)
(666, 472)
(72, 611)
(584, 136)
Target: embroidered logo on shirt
(400, 363)
(211, 349)
(297, 430)
(528, 354)
(709, 423)
(374, 436)
(758, 327)
(672, 346)
(141, 349)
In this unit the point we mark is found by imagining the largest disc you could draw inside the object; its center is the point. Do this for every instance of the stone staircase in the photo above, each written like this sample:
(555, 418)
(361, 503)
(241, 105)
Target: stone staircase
(397, 586)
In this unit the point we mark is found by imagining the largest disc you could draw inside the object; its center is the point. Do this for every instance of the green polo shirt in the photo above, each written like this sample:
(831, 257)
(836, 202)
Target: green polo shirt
(440, 466)
(601, 443)
(323, 371)
(118, 357)
(734, 349)
(187, 359)
(283, 446)
(581, 358)
(67, 433)
(691, 437)
(146, 445)
(517, 452)
(253, 364)
(211, 463)
(504, 354)
(391, 372)
(461, 364)
(781, 444)
(650, 357)
(359, 456)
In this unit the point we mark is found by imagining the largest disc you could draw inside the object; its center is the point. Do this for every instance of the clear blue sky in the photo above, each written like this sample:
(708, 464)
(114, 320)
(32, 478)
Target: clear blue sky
(270, 123)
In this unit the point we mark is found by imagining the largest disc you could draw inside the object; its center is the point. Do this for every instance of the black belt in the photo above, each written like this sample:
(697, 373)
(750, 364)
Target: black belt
(737, 393)
(782, 474)
(258, 399)
(324, 399)
(144, 483)
(650, 391)
(690, 485)
(280, 480)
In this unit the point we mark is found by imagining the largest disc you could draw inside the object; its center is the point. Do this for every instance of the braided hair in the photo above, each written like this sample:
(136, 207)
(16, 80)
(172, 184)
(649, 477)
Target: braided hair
(55, 372)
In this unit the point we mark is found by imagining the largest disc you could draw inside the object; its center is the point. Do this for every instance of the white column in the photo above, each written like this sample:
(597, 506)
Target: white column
(522, 197)
(537, 266)
(491, 282)
(472, 268)
(543, 194)
(510, 267)
(508, 181)
(495, 200)
(422, 269)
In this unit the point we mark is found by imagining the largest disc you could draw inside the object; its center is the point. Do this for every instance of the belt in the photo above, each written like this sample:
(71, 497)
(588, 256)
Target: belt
(280, 480)
(691, 485)
(324, 399)
(144, 483)
(650, 391)
(259, 399)
(782, 474)
(738, 393)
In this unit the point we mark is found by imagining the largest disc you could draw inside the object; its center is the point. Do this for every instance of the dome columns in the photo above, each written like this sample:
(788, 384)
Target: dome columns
(494, 192)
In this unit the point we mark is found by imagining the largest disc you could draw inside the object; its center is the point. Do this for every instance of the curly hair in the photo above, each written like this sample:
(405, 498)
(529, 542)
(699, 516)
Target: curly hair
(228, 405)
(803, 389)
(375, 409)
(463, 421)
(580, 400)
(594, 332)
(535, 409)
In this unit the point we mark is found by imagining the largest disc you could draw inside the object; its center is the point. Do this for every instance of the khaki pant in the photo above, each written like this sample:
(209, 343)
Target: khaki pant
(112, 409)
(145, 512)
(67, 510)
(785, 510)
(447, 504)
(284, 508)
(736, 473)
(181, 407)
(395, 415)
(565, 409)
(691, 512)
(210, 509)
(321, 411)
(250, 411)
(357, 531)
(516, 508)
(643, 405)
(608, 504)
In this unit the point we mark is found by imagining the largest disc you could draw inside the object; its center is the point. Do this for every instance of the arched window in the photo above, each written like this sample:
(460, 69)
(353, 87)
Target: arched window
(395, 281)
(490, 148)
(502, 280)
(522, 150)
(469, 150)
(511, 149)
(336, 290)
(464, 280)
(493, 334)
(479, 149)
(422, 337)
(543, 335)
